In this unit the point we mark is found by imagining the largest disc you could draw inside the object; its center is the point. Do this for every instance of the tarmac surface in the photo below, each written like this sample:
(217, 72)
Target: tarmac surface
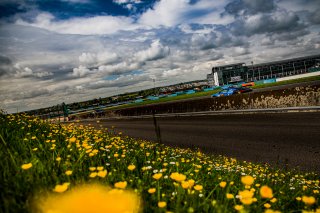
(283, 139)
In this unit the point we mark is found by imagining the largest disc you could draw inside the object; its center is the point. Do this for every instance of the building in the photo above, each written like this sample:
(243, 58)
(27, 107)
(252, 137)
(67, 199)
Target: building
(240, 72)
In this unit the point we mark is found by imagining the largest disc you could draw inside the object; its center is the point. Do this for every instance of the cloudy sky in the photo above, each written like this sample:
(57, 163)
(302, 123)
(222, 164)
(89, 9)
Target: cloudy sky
(54, 51)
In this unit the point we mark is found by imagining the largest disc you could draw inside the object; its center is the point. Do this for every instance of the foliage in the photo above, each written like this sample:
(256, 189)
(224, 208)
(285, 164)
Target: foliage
(40, 158)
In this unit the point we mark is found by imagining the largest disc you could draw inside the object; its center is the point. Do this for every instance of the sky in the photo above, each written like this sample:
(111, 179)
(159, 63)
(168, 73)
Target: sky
(54, 51)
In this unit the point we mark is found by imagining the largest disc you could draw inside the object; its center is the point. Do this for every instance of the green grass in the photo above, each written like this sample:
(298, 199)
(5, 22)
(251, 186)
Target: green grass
(166, 99)
(53, 149)
(300, 80)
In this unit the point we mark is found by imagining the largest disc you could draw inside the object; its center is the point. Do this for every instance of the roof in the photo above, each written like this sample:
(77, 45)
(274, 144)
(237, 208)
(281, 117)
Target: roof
(286, 60)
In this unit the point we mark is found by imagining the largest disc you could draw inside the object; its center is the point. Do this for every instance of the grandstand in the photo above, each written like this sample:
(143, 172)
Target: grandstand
(240, 72)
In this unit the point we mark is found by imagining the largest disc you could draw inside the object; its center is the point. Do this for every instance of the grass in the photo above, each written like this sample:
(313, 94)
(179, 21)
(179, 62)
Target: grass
(39, 158)
(166, 99)
(203, 94)
(300, 80)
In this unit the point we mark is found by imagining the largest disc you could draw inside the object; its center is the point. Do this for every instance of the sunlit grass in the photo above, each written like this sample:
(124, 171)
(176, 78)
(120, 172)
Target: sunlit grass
(40, 159)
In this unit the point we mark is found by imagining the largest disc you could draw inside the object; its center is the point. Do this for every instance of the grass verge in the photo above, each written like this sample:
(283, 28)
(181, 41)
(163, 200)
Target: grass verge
(44, 158)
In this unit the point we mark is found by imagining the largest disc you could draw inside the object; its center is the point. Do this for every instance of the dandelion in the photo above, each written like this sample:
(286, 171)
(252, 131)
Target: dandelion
(91, 198)
(93, 174)
(152, 190)
(68, 172)
(72, 140)
(157, 176)
(162, 204)
(198, 187)
(273, 200)
(308, 200)
(229, 196)
(246, 197)
(100, 168)
(131, 167)
(177, 177)
(102, 174)
(266, 192)
(121, 185)
(58, 159)
(247, 180)
(185, 184)
(26, 166)
(222, 184)
(267, 205)
(61, 188)
(238, 207)
(92, 169)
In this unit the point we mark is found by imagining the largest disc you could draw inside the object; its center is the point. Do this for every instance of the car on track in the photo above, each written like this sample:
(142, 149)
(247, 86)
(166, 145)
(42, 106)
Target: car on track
(232, 91)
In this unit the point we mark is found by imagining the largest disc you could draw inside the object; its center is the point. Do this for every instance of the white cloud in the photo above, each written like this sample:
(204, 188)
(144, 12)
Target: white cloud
(26, 72)
(123, 67)
(166, 12)
(155, 52)
(83, 26)
(170, 13)
(93, 59)
(80, 71)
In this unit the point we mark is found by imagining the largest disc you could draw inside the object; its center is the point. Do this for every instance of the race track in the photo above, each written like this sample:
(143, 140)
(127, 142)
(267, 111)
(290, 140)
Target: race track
(276, 138)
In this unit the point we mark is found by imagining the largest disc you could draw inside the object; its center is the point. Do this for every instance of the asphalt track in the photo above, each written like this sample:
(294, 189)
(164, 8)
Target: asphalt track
(284, 139)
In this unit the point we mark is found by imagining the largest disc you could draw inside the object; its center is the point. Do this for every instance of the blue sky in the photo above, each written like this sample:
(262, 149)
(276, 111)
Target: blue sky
(54, 51)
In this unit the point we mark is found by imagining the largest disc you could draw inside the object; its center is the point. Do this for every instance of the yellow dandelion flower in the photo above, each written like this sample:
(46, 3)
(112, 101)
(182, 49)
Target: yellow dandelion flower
(198, 187)
(68, 172)
(157, 176)
(246, 197)
(247, 180)
(271, 211)
(116, 155)
(266, 192)
(91, 198)
(102, 174)
(26, 166)
(273, 200)
(121, 184)
(222, 184)
(162, 204)
(238, 207)
(152, 190)
(308, 200)
(93, 174)
(229, 196)
(92, 168)
(58, 159)
(100, 168)
(72, 140)
(267, 205)
(177, 177)
(131, 167)
(191, 183)
(61, 188)
(185, 184)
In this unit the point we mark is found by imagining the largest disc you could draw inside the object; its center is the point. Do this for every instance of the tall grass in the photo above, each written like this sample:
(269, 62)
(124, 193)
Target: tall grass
(40, 158)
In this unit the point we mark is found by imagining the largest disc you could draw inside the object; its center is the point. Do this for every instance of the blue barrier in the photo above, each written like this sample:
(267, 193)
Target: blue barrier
(138, 101)
(271, 80)
(190, 91)
(172, 95)
(153, 98)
